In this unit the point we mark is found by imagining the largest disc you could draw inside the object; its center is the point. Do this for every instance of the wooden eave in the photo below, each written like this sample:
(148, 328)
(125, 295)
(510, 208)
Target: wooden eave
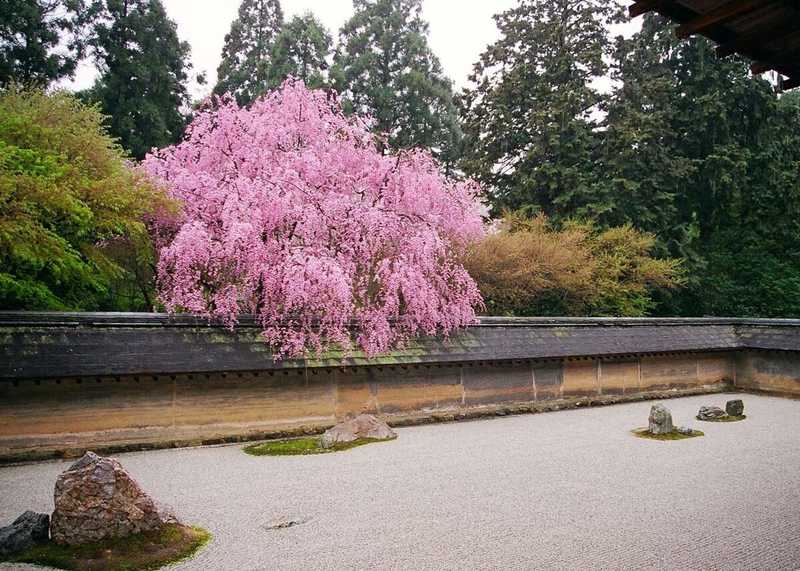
(764, 31)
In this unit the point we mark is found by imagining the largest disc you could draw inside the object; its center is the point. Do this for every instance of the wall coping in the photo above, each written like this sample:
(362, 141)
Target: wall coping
(48, 344)
(129, 319)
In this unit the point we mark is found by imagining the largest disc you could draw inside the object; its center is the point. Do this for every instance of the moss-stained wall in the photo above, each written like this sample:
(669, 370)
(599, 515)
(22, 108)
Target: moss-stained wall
(72, 381)
(776, 372)
(48, 415)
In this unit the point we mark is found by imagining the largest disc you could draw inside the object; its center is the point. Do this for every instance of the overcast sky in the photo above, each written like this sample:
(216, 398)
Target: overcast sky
(459, 31)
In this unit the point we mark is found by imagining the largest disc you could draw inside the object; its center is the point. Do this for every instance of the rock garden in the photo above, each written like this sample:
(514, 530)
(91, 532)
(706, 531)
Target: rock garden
(661, 427)
(103, 520)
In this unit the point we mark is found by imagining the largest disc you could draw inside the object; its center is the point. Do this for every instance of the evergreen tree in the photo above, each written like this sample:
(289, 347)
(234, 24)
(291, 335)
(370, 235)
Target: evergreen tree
(301, 50)
(30, 32)
(707, 157)
(247, 54)
(385, 68)
(530, 120)
(143, 64)
(643, 169)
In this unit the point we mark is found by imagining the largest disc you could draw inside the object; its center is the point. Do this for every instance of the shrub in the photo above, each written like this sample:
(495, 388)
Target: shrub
(71, 210)
(527, 267)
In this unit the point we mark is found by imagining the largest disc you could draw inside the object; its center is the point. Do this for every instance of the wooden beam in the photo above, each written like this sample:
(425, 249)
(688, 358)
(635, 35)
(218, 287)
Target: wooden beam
(643, 6)
(719, 15)
(791, 82)
(759, 67)
(748, 42)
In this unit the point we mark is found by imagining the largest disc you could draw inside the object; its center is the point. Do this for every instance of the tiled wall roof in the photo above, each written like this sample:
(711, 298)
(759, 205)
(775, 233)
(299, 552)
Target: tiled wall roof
(108, 344)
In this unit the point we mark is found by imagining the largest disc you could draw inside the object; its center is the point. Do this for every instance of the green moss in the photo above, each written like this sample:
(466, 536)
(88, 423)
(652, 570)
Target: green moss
(727, 418)
(301, 446)
(141, 552)
(674, 435)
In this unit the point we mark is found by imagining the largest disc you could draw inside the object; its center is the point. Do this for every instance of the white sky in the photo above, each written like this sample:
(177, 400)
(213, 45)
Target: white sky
(460, 30)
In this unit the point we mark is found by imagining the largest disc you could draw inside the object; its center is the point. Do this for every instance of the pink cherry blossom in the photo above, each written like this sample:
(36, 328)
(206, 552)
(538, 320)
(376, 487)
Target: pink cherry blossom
(292, 214)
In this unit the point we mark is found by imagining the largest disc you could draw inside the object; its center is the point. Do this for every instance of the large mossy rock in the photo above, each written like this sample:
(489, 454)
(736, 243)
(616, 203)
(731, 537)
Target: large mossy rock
(660, 421)
(362, 427)
(96, 499)
(27, 530)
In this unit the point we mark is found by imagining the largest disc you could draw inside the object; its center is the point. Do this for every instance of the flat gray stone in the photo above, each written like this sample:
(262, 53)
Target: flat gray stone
(27, 530)
(711, 413)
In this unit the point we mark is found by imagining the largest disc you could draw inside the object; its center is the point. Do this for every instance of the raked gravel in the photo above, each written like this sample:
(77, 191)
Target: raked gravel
(562, 490)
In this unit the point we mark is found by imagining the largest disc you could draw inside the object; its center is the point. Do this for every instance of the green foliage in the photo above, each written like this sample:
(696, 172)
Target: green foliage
(40, 40)
(529, 127)
(642, 175)
(245, 69)
(300, 51)
(706, 157)
(726, 418)
(302, 446)
(144, 69)
(67, 201)
(384, 67)
(626, 273)
(529, 267)
(141, 552)
(674, 435)
(689, 148)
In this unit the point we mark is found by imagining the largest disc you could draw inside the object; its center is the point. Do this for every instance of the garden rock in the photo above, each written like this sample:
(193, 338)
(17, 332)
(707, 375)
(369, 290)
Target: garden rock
(734, 407)
(97, 499)
(27, 530)
(660, 420)
(362, 426)
(685, 430)
(711, 413)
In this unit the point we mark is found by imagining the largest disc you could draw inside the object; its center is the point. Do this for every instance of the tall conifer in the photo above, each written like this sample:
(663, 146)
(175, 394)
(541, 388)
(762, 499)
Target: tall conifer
(247, 53)
(530, 120)
(40, 40)
(144, 68)
(385, 67)
(301, 50)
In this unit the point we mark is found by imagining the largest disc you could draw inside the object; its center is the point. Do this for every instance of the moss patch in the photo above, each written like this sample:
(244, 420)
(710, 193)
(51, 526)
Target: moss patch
(727, 418)
(302, 446)
(141, 552)
(674, 435)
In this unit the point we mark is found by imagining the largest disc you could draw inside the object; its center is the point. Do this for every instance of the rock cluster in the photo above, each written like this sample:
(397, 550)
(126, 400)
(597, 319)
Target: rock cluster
(97, 499)
(27, 530)
(660, 421)
(362, 426)
(711, 413)
(732, 408)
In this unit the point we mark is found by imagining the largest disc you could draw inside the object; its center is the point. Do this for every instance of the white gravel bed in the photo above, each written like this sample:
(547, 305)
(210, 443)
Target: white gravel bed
(561, 490)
